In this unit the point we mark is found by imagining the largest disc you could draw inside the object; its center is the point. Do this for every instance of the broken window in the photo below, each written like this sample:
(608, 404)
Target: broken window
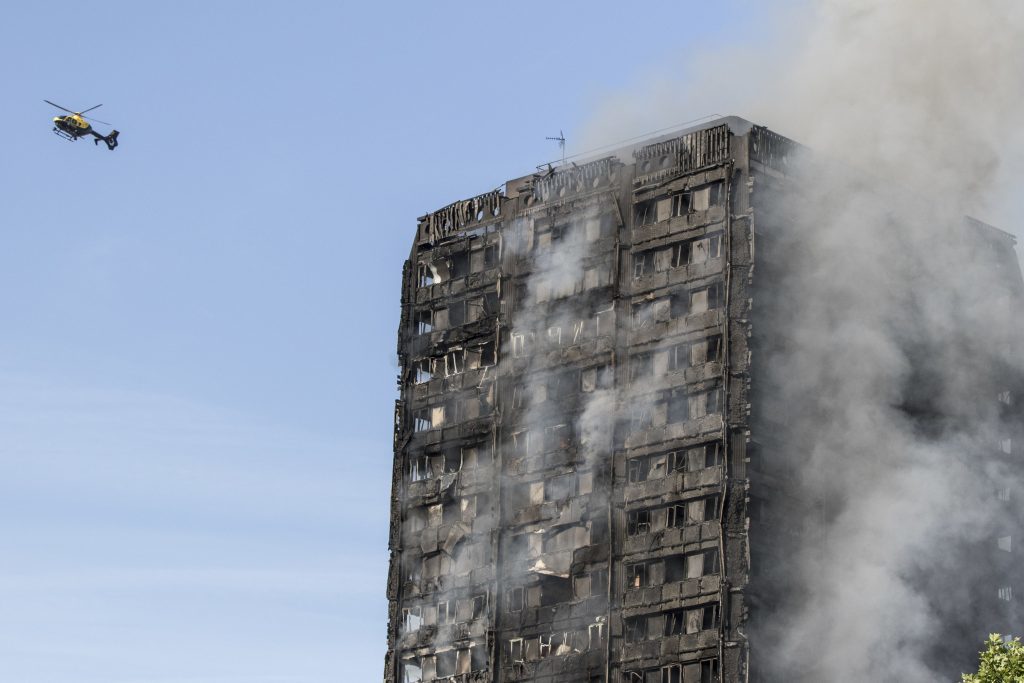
(567, 538)
(521, 295)
(588, 380)
(652, 210)
(514, 599)
(419, 468)
(445, 611)
(604, 319)
(444, 664)
(636, 575)
(698, 301)
(678, 357)
(422, 370)
(691, 566)
(681, 204)
(641, 366)
(643, 263)
(478, 657)
(412, 619)
(597, 227)
(456, 314)
(424, 275)
(691, 620)
(435, 514)
(702, 509)
(521, 443)
(559, 488)
(636, 629)
(462, 661)
(454, 362)
(424, 321)
(490, 256)
(518, 344)
(452, 461)
(637, 470)
(678, 408)
(706, 197)
(680, 254)
(411, 673)
(422, 420)
(558, 437)
(672, 673)
(641, 417)
(484, 401)
(675, 516)
(460, 265)
(647, 312)
(674, 568)
(638, 522)
(555, 336)
(706, 298)
(581, 586)
(515, 650)
(709, 671)
(519, 397)
(435, 565)
(437, 416)
(595, 635)
(703, 456)
(545, 645)
(705, 248)
(699, 352)
(491, 303)
(710, 565)
(693, 407)
(1005, 398)
(474, 309)
(479, 606)
(592, 584)
(487, 354)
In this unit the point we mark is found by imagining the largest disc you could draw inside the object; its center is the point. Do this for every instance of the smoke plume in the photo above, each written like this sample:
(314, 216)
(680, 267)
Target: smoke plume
(883, 325)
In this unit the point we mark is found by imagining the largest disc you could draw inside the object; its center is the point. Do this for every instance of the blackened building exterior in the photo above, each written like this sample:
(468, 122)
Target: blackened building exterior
(577, 489)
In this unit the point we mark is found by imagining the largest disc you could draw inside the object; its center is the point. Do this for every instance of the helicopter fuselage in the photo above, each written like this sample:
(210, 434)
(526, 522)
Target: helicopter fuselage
(75, 126)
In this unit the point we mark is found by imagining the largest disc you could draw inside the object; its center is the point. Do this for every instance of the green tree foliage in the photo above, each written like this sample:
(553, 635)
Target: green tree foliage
(1001, 662)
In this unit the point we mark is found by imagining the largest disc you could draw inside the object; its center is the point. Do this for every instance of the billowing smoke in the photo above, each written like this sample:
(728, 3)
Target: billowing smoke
(887, 336)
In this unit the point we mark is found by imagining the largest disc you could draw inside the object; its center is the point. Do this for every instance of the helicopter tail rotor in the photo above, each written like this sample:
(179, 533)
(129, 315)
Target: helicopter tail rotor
(111, 139)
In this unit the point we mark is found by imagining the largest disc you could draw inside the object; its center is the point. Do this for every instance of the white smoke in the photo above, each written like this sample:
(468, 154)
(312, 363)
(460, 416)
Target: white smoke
(886, 309)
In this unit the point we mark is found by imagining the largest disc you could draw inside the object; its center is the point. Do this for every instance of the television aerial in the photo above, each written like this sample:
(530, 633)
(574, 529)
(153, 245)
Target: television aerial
(561, 144)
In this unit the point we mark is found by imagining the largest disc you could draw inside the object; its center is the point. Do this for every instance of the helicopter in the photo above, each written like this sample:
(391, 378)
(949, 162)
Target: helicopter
(75, 126)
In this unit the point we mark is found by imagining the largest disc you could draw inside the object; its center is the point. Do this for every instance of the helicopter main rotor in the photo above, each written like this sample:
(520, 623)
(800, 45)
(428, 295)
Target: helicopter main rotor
(79, 113)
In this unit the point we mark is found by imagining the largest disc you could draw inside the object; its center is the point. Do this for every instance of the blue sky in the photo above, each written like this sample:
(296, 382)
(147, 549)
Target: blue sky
(197, 366)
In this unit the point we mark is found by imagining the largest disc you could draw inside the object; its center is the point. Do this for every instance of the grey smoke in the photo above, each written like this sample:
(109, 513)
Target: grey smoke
(913, 111)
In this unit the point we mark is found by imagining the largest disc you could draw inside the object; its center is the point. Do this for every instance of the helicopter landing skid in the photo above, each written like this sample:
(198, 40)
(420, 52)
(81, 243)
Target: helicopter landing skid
(67, 136)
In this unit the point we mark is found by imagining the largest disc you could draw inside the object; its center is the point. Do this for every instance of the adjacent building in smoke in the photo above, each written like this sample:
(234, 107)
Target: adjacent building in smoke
(578, 486)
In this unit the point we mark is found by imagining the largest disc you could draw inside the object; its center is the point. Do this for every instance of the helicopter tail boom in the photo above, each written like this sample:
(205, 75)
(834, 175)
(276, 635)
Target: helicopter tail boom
(111, 139)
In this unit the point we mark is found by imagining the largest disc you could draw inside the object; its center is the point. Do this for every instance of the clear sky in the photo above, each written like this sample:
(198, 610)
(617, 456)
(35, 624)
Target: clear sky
(197, 356)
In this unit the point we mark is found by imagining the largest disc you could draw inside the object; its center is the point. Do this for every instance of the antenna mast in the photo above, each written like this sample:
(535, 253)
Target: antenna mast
(561, 144)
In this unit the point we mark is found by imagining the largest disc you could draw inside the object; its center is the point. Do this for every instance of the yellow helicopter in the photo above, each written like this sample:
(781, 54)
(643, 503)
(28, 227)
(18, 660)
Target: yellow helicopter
(76, 126)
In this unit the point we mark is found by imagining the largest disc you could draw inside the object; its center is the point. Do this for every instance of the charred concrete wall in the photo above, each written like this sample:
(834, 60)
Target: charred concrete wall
(580, 491)
(569, 501)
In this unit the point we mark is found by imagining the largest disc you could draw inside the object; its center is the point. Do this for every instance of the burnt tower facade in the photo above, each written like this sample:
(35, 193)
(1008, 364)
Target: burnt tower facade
(581, 488)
